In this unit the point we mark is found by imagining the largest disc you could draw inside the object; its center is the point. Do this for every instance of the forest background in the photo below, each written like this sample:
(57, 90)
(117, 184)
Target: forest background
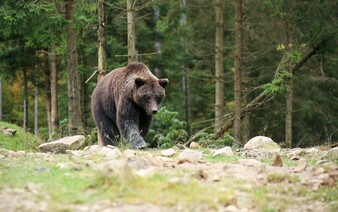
(239, 68)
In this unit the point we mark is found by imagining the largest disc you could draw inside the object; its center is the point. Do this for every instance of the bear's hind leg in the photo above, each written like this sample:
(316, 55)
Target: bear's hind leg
(108, 132)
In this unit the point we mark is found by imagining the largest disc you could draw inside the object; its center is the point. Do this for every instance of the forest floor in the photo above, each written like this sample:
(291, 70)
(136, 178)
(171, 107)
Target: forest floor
(128, 180)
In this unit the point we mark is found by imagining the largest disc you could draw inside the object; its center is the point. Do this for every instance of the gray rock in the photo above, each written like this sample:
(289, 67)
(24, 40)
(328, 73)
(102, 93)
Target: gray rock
(225, 151)
(110, 153)
(129, 153)
(332, 154)
(261, 142)
(190, 154)
(63, 144)
(168, 152)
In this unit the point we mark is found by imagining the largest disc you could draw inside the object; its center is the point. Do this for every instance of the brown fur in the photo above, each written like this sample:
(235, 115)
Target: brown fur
(123, 104)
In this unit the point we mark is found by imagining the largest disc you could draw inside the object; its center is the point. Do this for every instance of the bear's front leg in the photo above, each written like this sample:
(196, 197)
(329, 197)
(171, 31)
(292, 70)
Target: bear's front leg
(127, 122)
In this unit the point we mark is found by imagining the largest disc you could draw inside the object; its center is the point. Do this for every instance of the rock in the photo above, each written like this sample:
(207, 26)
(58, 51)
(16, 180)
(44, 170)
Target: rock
(190, 155)
(194, 145)
(110, 153)
(138, 163)
(277, 161)
(261, 142)
(61, 145)
(250, 162)
(8, 131)
(129, 153)
(225, 151)
(168, 152)
(116, 168)
(332, 154)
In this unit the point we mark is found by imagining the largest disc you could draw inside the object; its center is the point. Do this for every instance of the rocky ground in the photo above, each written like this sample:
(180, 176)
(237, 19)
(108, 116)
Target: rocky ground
(259, 177)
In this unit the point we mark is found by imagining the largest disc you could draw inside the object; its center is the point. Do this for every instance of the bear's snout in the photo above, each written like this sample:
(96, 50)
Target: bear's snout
(154, 112)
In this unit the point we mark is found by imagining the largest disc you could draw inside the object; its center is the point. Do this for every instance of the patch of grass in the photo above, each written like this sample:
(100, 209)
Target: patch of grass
(221, 158)
(280, 177)
(20, 141)
(158, 190)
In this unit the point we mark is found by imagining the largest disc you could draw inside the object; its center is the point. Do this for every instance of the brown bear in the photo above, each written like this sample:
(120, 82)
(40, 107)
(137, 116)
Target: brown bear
(124, 102)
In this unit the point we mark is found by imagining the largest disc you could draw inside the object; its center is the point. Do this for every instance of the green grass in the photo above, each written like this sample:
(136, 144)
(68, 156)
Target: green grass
(20, 141)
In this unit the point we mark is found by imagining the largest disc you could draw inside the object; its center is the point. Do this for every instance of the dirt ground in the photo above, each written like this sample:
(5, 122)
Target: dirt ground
(283, 180)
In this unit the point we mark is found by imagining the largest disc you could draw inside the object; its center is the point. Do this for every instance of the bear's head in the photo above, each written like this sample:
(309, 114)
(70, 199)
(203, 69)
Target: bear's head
(149, 93)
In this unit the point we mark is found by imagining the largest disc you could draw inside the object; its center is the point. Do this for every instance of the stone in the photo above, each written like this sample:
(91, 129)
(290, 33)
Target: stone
(129, 153)
(8, 131)
(190, 154)
(168, 152)
(332, 154)
(110, 153)
(261, 142)
(250, 162)
(194, 145)
(63, 144)
(225, 151)
(138, 163)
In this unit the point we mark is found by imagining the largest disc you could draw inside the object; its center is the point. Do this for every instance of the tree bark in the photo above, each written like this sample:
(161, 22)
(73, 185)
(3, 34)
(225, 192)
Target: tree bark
(131, 31)
(36, 102)
(238, 69)
(0, 99)
(74, 105)
(54, 93)
(25, 99)
(219, 69)
(289, 81)
(47, 96)
(102, 55)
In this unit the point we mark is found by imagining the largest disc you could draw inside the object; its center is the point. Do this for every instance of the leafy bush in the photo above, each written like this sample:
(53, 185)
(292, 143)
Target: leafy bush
(206, 140)
(167, 130)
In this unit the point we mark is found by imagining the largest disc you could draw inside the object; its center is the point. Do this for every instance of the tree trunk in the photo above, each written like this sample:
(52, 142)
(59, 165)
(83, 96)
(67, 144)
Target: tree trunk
(74, 106)
(36, 102)
(47, 96)
(102, 55)
(0, 99)
(131, 31)
(185, 80)
(219, 69)
(289, 81)
(54, 93)
(238, 67)
(245, 89)
(25, 99)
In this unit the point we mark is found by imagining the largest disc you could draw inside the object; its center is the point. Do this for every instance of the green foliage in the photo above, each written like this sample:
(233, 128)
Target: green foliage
(206, 140)
(20, 141)
(167, 130)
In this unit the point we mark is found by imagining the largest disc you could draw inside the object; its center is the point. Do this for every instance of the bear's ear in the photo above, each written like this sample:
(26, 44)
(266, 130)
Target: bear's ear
(163, 82)
(139, 81)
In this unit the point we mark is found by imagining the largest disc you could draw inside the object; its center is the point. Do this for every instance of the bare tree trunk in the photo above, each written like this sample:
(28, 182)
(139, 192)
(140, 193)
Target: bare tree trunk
(102, 55)
(36, 102)
(219, 68)
(131, 31)
(54, 93)
(246, 89)
(0, 99)
(185, 79)
(25, 99)
(47, 96)
(238, 67)
(289, 93)
(74, 106)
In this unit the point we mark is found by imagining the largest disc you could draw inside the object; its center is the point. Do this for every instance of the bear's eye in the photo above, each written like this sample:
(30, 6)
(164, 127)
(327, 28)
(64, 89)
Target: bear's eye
(158, 99)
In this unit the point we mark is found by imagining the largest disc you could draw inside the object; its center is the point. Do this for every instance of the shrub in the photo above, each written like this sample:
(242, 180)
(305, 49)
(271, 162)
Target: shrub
(167, 130)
